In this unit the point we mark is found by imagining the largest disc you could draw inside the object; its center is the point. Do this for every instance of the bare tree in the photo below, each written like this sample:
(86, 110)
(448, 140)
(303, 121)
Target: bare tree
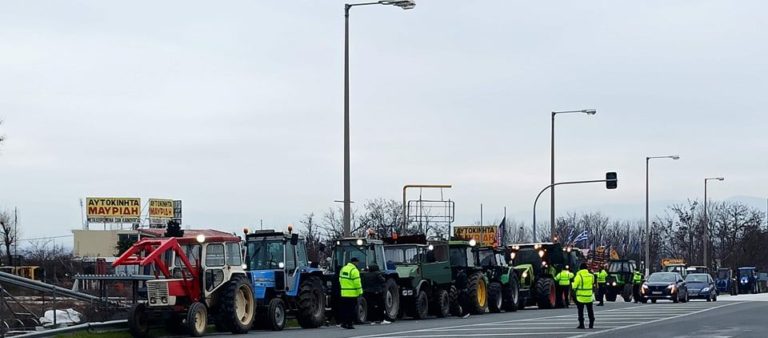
(332, 224)
(8, 234)
(311, 233)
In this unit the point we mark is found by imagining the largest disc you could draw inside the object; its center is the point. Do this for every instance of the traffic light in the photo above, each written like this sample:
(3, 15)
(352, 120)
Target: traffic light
(611, 182)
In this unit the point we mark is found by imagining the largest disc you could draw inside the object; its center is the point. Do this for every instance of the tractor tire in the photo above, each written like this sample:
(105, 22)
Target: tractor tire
(653, 301)
(391, 300)
(420, 305)
(453, 300)
(626, 293)
(441, 304)
(477, 294)
(545, 293)
(511, 295)
(610, 295)
(362, 310)
(311, 303)
(197, 319)
(276, 314)
(138, 321)
(495, 298)
(238, 307)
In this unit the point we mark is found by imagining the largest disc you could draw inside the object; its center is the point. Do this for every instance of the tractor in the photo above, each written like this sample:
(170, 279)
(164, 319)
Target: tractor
(381, 294)
(283, 281)
(424, 275)
(748, 280)
(726, 282)
(503, 285)
(470, 292)
(619, 280)
(538, 264)
(198, 279)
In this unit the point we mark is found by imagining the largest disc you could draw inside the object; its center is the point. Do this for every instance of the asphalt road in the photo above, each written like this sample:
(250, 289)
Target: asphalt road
(740, 316)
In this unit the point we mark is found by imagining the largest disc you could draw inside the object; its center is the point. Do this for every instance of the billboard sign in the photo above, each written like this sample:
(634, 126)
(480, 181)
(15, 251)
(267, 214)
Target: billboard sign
(113, 209)
(484, 235)
(160, 208)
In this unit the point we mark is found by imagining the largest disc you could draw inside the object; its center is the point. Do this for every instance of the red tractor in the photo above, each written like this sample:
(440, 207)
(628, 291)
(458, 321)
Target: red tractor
(188, 291)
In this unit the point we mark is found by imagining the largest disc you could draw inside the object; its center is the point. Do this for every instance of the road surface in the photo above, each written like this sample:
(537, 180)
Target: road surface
(739, 316)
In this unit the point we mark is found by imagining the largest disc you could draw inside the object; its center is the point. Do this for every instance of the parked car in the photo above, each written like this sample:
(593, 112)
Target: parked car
(664, 285)
(701, 286)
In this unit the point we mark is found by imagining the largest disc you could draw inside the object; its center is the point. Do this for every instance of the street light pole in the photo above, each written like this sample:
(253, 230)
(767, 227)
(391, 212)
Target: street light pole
(552, 164)
(647, 223)
(706, 221)
(404, 4)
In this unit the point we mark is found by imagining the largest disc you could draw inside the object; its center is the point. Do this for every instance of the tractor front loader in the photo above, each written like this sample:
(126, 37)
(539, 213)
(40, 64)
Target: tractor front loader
(198, 280)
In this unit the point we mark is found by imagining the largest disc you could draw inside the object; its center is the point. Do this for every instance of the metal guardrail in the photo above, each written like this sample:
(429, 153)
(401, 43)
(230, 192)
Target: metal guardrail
(44, 287)
(74, 328)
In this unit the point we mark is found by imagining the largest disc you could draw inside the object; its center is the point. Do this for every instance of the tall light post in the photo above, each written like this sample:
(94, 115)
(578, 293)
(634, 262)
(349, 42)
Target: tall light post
(706, 220)
(552, 162)
(404, 4)
(647, 223)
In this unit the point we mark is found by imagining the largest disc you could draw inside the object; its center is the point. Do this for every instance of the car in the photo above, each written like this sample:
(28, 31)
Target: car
(701, 286)
(664, 285)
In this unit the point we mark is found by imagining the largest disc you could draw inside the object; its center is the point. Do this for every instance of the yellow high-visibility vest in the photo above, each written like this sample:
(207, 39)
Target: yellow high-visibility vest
(601, 276)
(583, 283)
(349, 281)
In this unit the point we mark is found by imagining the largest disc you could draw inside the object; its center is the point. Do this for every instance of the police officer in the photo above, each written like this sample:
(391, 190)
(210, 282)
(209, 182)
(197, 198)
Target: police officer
(564, 287)
(583, 283)
(601, 277)
(637, 283)
(351, 288)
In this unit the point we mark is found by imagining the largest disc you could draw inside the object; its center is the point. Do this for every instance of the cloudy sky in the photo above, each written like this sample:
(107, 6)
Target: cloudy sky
(236, 107)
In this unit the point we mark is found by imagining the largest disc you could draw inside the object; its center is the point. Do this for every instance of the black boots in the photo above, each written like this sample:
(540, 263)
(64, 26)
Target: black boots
(581, 325)
(591, 324)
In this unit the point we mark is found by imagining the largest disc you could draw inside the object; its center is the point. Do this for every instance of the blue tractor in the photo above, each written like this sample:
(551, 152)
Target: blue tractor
(283, 281)
(726, 282)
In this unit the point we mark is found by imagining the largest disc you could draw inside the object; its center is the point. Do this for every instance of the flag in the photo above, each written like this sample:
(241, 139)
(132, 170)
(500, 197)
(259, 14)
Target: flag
(581, 237)
(501, 237)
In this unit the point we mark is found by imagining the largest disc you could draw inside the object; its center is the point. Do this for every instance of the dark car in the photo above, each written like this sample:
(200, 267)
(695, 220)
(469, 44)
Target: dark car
(701, 286)
(665, 285)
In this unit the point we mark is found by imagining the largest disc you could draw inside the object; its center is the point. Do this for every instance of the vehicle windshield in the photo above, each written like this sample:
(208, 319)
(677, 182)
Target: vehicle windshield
(343, 253)
(662, 277)
(620, 267)
(402, 255)
(674, 268)
(745, 272)
(696, 278)
(264, 254)
(528, 256)
(486, 257)
(459, 256)
(722, 274)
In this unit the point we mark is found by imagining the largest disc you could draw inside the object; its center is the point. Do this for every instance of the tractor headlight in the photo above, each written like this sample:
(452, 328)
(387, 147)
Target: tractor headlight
(359, 242)
(613, 284)
(152, 300)
(525, 275)
(472, 242)
(164, 300)
(512, 255)
(541, 253)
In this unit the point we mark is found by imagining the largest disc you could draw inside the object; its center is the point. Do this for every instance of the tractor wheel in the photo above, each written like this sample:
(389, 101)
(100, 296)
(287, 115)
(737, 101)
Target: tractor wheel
(545, 293)
(441, 304)
(197, 319)
(391, 300)
(610, 295)
(238, 307)
(138, 321)
(276, 314)
(311, 303)
(511, 294)
(477, 294)
(626, 293)
(653, 301)
(421, 305)
(495, 299)
(453, 299)
(362, 310)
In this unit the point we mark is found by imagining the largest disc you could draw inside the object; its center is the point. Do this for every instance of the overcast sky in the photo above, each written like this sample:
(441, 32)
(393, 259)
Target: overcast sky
(236, 107)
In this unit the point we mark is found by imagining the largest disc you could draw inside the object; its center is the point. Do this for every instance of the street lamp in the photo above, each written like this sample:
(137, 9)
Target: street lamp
(552, 162)
(404, 4)
(647, 226)
(706, 220)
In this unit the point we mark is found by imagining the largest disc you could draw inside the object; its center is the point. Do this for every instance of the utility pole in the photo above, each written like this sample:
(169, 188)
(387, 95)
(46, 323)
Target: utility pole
(15, 236)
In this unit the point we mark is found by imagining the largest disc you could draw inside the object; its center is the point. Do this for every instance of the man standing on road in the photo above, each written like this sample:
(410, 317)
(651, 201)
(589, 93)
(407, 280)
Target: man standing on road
(601, 276)
(351, 288)
(637, 283)
(564, 287)
(583, 284)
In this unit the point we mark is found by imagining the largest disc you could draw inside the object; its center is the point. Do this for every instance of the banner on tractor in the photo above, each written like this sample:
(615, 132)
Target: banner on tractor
(484, 235)
(111, 209)
(160, 208)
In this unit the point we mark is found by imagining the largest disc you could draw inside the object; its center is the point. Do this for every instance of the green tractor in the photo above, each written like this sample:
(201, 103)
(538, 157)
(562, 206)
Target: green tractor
(470, 291)
(381, 294)
(503, 286)
(537, 265)
(424, 275)
(619, 280)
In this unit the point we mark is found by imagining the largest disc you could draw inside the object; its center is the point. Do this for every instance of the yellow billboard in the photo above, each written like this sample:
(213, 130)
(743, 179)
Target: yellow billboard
(113, 207)
(484, 235)
(160, 208)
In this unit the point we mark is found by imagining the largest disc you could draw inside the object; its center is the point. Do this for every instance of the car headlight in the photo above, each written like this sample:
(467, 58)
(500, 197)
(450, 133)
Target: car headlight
(705, 290)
